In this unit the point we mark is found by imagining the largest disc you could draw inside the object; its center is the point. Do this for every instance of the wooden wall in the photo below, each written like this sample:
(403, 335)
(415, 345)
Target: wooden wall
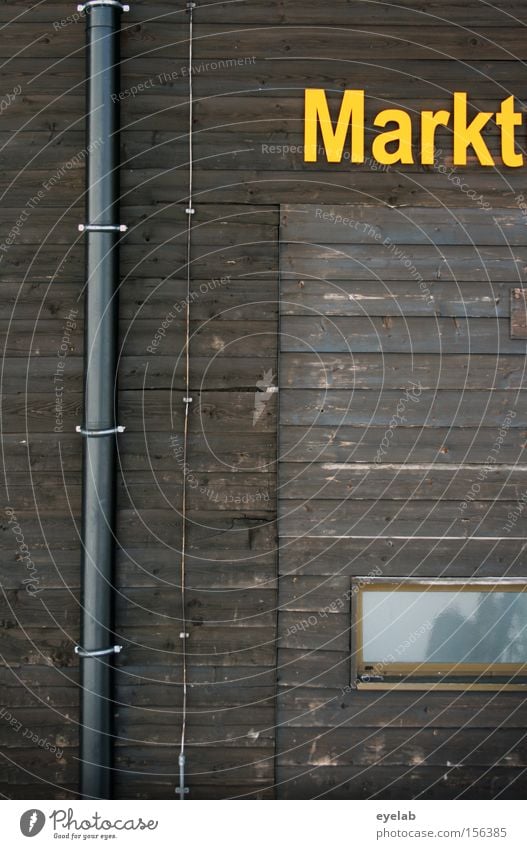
(402, 428)
(244, 110)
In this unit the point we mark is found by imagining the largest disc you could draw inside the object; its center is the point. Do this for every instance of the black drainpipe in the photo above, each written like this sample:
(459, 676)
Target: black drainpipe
(99, 429)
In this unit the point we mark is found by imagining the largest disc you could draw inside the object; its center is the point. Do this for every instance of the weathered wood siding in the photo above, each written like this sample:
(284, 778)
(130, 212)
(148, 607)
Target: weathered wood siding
(385, 365)
(248, 125)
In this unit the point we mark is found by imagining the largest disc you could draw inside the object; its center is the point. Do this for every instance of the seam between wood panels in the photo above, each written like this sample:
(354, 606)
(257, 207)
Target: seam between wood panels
(277, 477)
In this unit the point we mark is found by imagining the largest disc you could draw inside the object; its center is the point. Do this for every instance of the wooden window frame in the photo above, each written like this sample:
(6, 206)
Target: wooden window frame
(430, 676)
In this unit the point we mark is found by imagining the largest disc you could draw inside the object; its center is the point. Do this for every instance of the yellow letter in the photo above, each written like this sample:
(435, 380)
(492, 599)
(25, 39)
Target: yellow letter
(403, 135)
(351, 115)
(430, 121)
(469, 135)
(507, 119)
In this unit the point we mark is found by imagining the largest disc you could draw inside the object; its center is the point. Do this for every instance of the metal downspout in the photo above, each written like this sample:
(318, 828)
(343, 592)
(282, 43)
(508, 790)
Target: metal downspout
(99, 429)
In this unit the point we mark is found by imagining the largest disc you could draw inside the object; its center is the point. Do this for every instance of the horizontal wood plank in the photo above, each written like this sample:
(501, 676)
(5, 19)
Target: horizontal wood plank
(446, 408)
(432, 519)
(398, 371)
(313, 297)
(390, 557)
(404, 481)
(357, 225)
(396, 261)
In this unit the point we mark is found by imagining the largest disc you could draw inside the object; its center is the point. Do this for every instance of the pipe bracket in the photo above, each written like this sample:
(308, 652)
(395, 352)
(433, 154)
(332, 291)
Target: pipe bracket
(124, 7)
(102, 228)
(97, 652)
(108, 431)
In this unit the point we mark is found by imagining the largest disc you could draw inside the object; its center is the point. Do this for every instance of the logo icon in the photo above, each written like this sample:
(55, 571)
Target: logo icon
(32, 822)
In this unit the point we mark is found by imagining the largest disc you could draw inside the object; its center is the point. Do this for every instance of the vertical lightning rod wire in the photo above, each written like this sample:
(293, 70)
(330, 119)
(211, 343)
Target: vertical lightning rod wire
(186, 400)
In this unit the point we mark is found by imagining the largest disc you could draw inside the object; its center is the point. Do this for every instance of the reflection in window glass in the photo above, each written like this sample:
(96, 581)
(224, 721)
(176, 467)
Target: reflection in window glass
(451, 626)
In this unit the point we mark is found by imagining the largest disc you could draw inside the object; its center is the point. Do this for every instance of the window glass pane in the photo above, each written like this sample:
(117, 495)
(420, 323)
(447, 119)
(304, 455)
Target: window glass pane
(444, 626)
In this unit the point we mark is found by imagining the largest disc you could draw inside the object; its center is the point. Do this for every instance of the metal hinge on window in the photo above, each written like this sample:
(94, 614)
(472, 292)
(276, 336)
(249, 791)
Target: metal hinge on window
(365, 678)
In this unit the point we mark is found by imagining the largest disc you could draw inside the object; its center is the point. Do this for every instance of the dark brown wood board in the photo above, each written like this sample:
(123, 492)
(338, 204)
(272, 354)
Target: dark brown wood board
(345, 360)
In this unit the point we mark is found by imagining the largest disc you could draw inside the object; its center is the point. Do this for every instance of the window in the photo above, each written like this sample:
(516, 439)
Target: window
(454, 635)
